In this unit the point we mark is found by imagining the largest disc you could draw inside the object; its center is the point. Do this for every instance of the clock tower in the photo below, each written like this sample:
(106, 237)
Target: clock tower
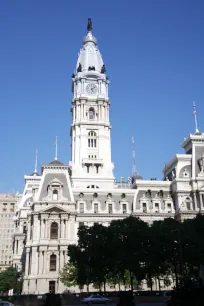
(91, 165)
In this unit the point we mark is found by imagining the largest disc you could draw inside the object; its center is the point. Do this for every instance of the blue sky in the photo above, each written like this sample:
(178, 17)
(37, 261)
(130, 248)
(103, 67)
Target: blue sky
(153, 51)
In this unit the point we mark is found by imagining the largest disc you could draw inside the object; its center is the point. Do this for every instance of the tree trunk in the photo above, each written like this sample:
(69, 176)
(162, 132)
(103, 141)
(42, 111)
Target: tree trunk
(159, 284)
(131, 281)
(119, 286)
(104, 286)
(156, 283)
(150, 282)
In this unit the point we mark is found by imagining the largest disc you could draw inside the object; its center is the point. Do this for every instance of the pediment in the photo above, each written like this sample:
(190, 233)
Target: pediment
(55, 181)
(54, 209)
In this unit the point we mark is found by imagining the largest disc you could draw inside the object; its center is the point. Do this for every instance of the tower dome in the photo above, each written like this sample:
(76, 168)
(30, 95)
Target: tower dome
(89, 58)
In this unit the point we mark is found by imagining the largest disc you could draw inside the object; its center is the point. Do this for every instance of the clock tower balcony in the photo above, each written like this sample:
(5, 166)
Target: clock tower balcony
(92, 161)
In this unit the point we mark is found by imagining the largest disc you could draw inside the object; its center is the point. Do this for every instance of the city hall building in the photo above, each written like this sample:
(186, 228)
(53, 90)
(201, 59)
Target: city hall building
(60, 198)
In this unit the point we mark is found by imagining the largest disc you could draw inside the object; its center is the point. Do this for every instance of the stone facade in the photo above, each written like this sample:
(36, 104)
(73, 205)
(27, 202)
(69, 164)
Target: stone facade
(7, 213)
(55, 202)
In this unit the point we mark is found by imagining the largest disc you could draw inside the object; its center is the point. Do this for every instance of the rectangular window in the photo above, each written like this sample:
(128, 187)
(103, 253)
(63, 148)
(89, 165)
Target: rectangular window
(169, 207)
(156, 207)
(144, 207)
(81, 208)
(24, 229)
(124, 209)
(95, 208)
(53, 263)
(110, 208)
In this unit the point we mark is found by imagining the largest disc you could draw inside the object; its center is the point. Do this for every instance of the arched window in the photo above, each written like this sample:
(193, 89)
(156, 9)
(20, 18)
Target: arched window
(188, 203)
(55, 195)
(91, 113)
(54, 231)
(92, 139)
(53, 262)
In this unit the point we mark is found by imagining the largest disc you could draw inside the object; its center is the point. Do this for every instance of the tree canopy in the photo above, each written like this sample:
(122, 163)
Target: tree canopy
(130, 250)
(9, 279)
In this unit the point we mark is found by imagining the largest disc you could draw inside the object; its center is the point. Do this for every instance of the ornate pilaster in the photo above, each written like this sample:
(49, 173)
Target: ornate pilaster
(27, 261)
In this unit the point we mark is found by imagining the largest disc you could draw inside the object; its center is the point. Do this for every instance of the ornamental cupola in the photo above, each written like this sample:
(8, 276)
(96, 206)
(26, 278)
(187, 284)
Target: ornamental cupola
(89, 56)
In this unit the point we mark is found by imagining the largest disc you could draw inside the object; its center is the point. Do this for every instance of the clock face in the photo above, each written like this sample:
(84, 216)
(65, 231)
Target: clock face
(91, 89)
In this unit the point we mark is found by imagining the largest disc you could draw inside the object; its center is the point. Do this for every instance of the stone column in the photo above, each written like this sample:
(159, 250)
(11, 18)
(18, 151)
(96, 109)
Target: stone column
(37, 262)
(61, 260)
(35, 226)
(81, 111)
(29, 229)
(45, 263)
(27, 261)
(78, 112)
(73, 108)
(33, 260)
(201, 200)
(39, 229)
(82, 85)
(40, 262)
(46, 229)
(61, 228)
(43, 228)
(195, 201)
(65, 229)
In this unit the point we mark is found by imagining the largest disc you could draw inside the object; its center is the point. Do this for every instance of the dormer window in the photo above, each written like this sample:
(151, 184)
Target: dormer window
(55, 190)
(55, 195)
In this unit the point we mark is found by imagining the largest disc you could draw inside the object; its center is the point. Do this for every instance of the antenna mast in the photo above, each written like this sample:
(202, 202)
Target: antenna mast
(134, 173)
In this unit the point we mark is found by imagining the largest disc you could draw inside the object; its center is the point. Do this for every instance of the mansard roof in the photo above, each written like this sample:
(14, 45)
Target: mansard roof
(55, 162)
(34, 174)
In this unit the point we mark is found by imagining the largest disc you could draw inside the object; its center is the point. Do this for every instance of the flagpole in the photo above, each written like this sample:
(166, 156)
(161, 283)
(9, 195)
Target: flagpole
(195, 117)
(56, 149)
(36, 161)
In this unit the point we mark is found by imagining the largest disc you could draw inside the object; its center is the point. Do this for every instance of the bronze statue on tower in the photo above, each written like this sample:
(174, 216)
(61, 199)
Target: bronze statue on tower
(89, 26)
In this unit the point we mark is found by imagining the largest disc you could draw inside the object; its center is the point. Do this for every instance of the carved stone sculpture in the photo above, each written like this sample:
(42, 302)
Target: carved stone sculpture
(79, 68)
(201, 164)
(91, 68)
(89, 25)
(103, 69)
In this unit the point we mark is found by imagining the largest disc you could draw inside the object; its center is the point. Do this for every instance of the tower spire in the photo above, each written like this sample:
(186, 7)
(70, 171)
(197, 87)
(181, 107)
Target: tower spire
(36, 161)
(195, 117)
(56, 148)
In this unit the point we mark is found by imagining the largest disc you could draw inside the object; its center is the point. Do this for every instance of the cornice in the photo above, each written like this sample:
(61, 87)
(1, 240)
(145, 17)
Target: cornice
(112, 216)
(99, 99)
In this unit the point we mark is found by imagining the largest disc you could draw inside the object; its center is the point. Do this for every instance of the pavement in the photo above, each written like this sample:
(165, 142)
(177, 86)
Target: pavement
(151, 304)
(140, 304)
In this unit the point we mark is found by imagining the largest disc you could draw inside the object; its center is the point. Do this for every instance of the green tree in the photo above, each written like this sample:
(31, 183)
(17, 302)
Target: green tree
(68, 275)
(10, 279)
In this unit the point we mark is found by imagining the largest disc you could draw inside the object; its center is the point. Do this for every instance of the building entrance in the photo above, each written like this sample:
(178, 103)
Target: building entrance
(52, 287)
